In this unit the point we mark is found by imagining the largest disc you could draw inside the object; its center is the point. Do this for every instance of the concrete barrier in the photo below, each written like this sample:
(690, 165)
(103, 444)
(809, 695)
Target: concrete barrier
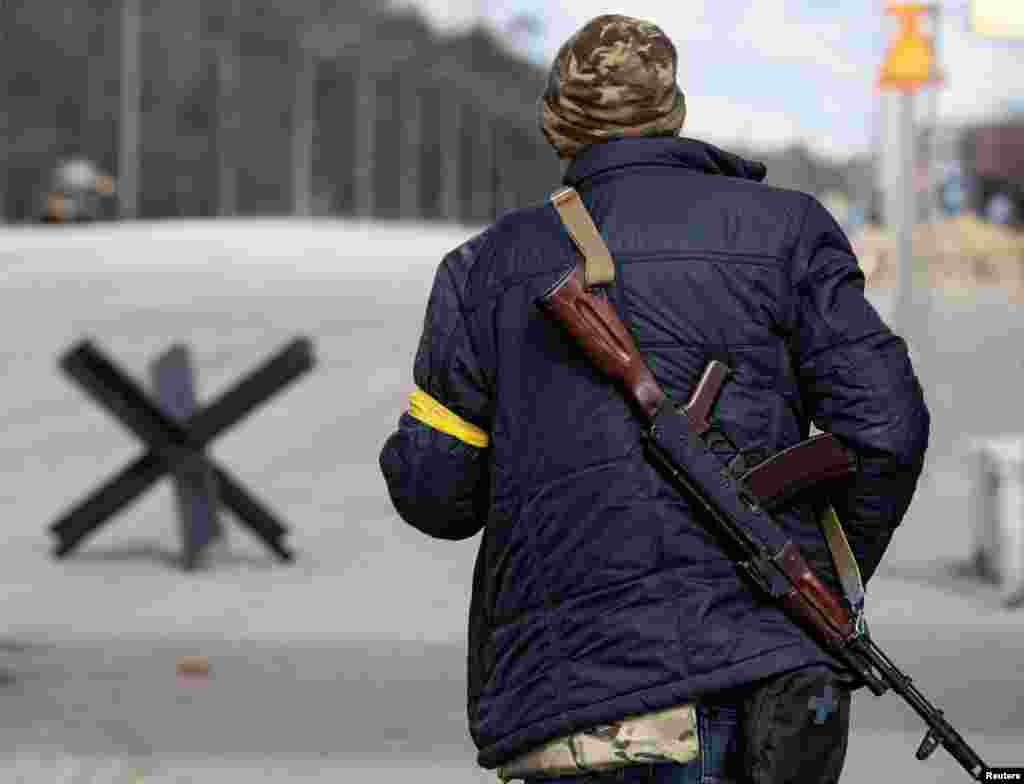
(997, 505)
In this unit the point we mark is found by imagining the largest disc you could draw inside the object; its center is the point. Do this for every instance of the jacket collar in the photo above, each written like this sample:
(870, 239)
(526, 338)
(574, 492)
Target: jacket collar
(675, 151)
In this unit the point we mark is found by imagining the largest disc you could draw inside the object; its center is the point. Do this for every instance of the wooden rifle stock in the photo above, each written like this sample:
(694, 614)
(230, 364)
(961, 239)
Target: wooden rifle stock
(595, 325)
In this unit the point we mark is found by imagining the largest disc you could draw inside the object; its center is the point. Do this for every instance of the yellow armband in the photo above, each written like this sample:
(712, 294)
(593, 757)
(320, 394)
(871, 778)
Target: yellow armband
(430, 412)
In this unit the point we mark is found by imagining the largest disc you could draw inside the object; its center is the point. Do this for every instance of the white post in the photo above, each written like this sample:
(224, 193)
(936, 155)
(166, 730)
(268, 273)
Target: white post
(905, 214)
(998, 505)
(131, 86)
(1011, 505)
(982, 502)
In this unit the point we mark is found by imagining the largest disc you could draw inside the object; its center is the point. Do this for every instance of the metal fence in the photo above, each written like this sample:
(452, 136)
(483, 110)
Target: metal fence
(220, 109)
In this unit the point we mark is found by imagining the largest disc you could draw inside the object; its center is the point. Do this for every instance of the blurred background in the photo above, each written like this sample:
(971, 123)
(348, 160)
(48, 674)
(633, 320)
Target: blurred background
(228, 174)
(428, 109)
(269, 107)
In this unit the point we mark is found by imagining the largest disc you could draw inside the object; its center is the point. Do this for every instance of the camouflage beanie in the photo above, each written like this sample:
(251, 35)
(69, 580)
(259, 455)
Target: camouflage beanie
(615, 77)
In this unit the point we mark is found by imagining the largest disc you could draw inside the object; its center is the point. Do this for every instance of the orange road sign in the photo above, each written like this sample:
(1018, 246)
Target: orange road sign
(910, 61)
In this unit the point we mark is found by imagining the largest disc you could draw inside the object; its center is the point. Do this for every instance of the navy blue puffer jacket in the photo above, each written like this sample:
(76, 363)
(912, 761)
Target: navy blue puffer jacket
(597, 593)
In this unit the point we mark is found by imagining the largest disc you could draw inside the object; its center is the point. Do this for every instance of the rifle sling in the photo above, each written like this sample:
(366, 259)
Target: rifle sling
(773, 481)
(599, 267)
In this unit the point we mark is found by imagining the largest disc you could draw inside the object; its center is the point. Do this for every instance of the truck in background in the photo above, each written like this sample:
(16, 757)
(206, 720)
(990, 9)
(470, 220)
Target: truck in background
(992, 168)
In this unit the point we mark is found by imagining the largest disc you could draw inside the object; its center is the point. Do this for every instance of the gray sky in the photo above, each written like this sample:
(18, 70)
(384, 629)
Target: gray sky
(774, 71)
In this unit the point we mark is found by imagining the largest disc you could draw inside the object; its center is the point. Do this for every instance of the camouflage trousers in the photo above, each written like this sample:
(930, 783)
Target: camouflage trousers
(790, 729)
(717, 728)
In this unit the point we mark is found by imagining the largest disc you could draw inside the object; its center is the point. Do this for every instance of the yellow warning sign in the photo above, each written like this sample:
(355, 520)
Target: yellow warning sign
(910, 61)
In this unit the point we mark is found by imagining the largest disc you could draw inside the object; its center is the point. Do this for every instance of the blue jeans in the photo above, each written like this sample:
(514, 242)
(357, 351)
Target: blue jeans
(717, 737)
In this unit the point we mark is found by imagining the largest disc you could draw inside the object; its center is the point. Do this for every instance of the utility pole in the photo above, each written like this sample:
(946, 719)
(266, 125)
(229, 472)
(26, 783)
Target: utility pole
(497, 179)
(451, 145)
(303, 131)
(7, 16)
(909, 65)
(365, 120)
(903, 201)
(483, 167)
(131, 95)
(412, 140)
(228, 111)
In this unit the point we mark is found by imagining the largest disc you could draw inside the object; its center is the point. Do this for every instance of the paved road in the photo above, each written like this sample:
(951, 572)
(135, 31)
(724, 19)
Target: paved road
(350, 661)
(387, 705)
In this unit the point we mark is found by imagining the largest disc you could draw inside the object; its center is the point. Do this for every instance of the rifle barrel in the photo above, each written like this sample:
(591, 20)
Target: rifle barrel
(939, 730)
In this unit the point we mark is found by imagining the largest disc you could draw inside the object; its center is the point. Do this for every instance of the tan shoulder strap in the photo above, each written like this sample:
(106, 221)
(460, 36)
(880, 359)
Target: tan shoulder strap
(600, 270)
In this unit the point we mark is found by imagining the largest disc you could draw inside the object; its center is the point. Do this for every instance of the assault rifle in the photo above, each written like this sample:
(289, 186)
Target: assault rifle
(674, 440)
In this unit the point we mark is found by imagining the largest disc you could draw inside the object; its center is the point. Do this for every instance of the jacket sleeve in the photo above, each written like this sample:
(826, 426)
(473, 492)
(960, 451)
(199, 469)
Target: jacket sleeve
(857, 383)
(436, 465)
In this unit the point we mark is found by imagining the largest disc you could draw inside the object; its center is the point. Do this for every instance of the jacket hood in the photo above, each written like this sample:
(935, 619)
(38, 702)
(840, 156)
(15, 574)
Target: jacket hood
(660, 151)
